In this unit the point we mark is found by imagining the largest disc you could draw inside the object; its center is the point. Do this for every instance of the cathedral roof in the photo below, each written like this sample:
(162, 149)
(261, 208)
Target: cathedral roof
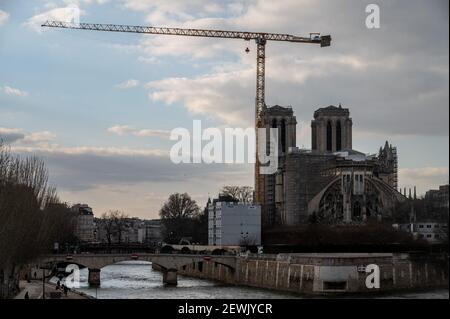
(277, 109)
(354, 155)
(331, 110)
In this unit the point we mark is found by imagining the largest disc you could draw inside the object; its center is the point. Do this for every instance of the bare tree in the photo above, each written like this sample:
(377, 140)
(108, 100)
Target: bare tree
(31, 215)
(107, 223)
(114, 222)
(243, 194)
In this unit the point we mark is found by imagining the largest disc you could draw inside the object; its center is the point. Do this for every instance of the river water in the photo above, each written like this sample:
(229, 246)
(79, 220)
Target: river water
(137, 280)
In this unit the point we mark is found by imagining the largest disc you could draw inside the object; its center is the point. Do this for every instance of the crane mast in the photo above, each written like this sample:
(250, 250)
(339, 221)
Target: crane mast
(260, 38)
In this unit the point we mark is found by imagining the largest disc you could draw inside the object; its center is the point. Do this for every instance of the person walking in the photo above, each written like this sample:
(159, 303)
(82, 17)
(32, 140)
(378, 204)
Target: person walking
(65, 290)
(27, 296)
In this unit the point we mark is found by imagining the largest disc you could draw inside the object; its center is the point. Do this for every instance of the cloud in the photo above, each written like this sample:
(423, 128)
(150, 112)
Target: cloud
(424, 172)
(386, 77)
(9, 136)
(85, 167)
(424, 178)
(149, 60)
(68, 14)
(120, 129)
(90, 150)
(128, 84)
(225, 96)
(13, 91)
(4, 16)
(127, 130)
(39, 137)
(19, 137)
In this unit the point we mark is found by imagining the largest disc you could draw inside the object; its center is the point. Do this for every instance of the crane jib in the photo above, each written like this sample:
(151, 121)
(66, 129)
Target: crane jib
(188, 32)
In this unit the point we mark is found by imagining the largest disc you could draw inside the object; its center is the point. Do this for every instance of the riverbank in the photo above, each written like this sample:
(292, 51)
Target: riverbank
(34, 289)
(329, 274)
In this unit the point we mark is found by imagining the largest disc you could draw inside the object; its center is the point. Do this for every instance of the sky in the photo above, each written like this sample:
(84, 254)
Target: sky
(98, 107)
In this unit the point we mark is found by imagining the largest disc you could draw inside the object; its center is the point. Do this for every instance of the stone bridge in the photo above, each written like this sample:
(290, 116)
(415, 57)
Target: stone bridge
(168, 264)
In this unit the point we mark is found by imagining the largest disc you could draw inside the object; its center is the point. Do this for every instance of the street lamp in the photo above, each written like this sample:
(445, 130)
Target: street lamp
(48, 266)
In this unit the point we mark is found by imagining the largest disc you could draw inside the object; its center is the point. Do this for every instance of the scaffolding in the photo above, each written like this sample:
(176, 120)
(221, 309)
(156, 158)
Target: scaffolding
(395, 167)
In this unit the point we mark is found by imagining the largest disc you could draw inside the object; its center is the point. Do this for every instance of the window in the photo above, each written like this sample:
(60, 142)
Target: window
(329, 137)
(429, 236)
(428, 226)
(420, 226)
(338, 136)
(335, 285)
(283, 135)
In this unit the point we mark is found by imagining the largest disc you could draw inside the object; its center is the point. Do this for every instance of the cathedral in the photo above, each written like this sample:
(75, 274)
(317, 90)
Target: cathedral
(331, 183)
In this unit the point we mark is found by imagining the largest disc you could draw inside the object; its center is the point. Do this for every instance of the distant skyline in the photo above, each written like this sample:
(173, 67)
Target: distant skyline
(98, 106)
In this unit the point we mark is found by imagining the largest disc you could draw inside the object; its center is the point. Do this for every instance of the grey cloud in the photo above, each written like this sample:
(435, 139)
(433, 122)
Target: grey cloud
(10, 137)
(87, 170)
(402, 87)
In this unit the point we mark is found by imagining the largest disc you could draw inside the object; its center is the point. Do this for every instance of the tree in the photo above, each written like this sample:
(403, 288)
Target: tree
(120, 224)
(179, 206)
(32, 217)
(107, 223)
(114, 223)
(177, 215)
(200, 226)
(243, 194)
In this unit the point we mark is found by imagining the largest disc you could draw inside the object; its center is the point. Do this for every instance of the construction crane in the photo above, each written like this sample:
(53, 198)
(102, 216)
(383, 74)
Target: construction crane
(260, 38)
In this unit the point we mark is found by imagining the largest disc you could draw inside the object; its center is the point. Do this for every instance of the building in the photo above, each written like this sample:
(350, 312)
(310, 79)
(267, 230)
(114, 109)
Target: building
(84, 223)
(438, 198)
(284, 120)
(150, 232)
(431, 231)
(132, 230)
(332, 182)
(231, 223)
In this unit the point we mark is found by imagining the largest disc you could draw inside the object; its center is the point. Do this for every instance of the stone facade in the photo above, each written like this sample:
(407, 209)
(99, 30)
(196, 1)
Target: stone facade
(84, 223)
(284, 120)
(331, 130)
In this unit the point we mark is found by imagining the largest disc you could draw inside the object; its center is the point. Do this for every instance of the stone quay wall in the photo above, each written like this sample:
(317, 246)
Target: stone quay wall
(327, 273)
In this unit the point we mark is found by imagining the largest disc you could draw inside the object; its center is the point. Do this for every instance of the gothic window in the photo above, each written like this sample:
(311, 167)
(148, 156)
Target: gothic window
(338, 136)
(329, 137)
(274, 123)
(357, 210)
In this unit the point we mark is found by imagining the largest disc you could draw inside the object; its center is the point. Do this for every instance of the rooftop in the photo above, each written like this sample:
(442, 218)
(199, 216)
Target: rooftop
(331, 110)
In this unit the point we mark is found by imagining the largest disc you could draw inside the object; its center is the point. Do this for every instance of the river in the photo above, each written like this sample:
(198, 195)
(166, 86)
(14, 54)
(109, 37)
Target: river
(137, 280)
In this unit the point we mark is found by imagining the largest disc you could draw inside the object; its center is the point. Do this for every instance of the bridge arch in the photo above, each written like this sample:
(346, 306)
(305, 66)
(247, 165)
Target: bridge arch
(168, 264)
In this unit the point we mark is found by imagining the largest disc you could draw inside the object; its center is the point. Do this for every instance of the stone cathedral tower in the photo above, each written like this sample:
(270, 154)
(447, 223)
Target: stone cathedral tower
(331, 130)
(270, 194)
